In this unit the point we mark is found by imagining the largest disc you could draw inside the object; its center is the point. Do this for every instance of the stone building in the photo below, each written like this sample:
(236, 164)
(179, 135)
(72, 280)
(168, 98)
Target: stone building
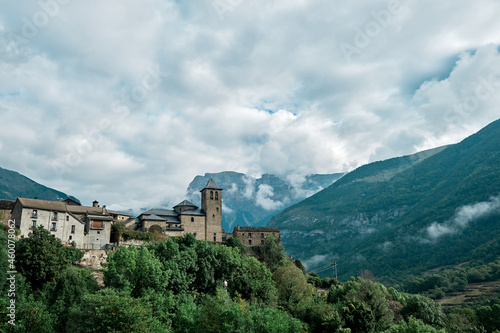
(250, 236)
(204, 223)
(82, 226)
(5, 210)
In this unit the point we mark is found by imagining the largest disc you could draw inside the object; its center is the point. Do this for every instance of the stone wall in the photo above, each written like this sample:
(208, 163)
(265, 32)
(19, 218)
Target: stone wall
(93, 258)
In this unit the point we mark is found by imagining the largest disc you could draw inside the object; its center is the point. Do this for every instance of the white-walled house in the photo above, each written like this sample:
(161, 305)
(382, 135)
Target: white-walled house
(84, 226)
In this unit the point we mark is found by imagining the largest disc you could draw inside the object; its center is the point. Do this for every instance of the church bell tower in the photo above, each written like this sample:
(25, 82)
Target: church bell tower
(211, 204)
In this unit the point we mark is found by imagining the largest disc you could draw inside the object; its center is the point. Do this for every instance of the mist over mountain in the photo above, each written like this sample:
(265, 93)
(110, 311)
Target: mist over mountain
(13, 185)
(249, 201)
(405, 214)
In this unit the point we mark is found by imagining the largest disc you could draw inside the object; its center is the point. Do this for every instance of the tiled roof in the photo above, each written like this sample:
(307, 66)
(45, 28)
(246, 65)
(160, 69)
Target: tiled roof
(212, 185)
(186, 203)
(61, 206)
(161, 212)
(153, 217)
(197, 212)
(114, 212)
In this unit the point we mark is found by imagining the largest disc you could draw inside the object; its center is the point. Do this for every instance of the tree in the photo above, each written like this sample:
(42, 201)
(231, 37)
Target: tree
(413, 325)
(271, 253)
(40, 257)
(292, 286)
(423, 308)
(68, 290)
(300, 265)
(236, 243)
(111, 311)
(136, 270)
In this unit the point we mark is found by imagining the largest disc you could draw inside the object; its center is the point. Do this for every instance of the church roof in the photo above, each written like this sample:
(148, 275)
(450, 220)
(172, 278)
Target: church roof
(153, 217)
(197, 212)
(212, 185)
(161, 212)
(185, 203)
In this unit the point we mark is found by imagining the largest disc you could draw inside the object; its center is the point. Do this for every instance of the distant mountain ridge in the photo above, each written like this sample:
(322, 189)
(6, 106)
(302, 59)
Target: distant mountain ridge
(13, 185)
(249, 201)
(405, 214)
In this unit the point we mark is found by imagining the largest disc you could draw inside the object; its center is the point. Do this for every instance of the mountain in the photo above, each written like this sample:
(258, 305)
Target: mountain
(13, 185)
(250, 201)
(404, 215)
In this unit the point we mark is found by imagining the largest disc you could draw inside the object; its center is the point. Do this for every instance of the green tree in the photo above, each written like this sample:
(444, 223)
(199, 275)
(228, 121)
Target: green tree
(68, 290)
(423, 308)
(413, 325)
(271, 253)
(110, 311)
(292, 286)
(489, 317)
(300, 265)
(236, 243)
(136, 270)
(364, 304)
(40, 257)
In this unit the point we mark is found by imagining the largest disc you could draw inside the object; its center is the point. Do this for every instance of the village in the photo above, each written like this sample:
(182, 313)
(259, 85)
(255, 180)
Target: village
(90, 228)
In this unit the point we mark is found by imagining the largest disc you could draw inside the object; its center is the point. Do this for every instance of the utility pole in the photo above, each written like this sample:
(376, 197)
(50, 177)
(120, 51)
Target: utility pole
(334, 266)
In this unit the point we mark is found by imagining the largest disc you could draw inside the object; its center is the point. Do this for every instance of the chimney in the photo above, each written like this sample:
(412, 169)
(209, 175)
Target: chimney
(95, 203)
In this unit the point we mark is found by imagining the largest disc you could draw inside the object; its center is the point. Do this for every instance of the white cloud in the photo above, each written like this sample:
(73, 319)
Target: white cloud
(463, 217)
(265, 90)
(264, 199)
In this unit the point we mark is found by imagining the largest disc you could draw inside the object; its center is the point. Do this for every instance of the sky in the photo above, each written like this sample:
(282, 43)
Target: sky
(125, 102)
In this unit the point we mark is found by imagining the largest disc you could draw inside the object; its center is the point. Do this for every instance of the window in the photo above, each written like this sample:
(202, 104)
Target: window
(34, 213)
(261, 242)
(72, 229)
(54, 227)
(262, 235)
(217, 209)
(70, 237)
(98, 232)
(192, 219)
(249, 242)
(249, 235)
(54, 216)
(215, 237)
(213, 215)
(67, 217)
(216, 195)
(33, 224)
(211, 195)
(194, 234)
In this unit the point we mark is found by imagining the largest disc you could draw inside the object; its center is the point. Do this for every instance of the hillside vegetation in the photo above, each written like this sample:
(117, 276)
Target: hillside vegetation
(13, 185)
(404, 215)
(184, 285)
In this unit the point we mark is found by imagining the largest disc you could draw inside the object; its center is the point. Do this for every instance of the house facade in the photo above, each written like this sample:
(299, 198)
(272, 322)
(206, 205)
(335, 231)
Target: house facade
(84, 227)
(203, 223)
(251, 236)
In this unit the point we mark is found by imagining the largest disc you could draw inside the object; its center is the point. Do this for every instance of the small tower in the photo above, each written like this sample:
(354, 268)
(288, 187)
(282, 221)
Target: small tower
(211, 204)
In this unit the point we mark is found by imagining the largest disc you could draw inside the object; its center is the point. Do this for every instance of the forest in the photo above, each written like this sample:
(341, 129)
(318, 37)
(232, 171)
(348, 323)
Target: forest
(184, 285)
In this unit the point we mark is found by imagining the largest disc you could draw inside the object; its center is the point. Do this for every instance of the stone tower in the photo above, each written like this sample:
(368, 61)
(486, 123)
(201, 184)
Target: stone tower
(211, 204)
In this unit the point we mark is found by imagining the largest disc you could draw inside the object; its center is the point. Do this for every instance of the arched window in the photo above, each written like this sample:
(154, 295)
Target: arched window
(216, 195)
(211, 195)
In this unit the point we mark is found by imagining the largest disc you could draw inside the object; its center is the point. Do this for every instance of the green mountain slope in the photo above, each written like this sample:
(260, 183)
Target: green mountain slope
(405, 214)
(13, 185)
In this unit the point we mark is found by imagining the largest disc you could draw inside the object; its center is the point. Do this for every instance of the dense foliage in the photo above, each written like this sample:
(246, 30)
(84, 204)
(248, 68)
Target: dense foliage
(378, 216)
(184, 285)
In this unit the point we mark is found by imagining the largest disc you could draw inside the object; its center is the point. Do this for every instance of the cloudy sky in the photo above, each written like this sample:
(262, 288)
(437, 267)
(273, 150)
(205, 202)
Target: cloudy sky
(127, 101)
